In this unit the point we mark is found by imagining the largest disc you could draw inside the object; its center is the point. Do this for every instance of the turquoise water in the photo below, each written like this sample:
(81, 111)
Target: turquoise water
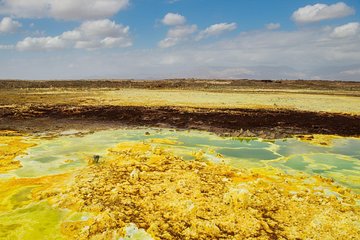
(341, 161)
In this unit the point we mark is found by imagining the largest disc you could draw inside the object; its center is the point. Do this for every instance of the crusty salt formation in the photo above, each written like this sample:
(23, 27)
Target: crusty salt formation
(12, 145)
(175, 199)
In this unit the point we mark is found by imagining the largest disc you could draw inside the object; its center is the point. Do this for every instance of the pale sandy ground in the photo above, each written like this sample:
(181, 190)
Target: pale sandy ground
(308, 101)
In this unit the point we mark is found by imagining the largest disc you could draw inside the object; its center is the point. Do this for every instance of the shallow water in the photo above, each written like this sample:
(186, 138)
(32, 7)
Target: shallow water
(340, 161)
(21, 219)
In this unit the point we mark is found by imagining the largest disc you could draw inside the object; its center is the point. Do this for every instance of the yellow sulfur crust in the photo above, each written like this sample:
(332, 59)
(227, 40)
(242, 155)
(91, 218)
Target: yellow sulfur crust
(175, 199)
(12, 145)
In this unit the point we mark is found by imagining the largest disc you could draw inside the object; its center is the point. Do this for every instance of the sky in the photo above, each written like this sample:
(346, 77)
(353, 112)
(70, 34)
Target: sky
(158, 39)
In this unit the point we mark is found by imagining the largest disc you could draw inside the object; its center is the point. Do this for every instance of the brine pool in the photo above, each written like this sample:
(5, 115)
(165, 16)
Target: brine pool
(22, 218)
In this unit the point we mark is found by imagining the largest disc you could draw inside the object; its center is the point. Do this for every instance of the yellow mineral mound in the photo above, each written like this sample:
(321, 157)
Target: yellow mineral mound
(175, 199)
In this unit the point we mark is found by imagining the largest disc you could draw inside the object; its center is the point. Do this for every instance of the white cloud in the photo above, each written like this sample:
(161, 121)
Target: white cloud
(113, 42)
(182, 31)
(272, 26)
(172, 19)
(90, 35)
(319, 12)
(99, 34)
(177, 34)
(217, 29)
(62, 9)
(168, 42)
(98, 29)
(7, 25)
(41, 43)
(347, 30)
(6, 47)
(72, 35)
(86, 9)
(25, 8)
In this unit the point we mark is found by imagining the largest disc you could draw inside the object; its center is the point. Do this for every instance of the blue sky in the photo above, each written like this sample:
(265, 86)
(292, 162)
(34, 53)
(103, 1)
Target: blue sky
(278, 39)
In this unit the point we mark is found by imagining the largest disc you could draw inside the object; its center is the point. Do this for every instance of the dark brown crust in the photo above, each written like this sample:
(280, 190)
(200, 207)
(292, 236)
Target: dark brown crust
(270, 123)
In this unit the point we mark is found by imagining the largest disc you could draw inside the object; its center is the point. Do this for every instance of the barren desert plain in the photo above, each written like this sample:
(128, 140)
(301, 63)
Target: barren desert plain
(179, 159)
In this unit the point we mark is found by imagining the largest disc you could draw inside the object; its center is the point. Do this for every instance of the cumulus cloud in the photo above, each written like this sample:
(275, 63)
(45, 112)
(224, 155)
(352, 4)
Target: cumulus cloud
(347, 30)
(217, 29)
(181, 33)
(41, 43)
(7, 25)
(172, 19)
(177, 34)
(89, 35)
(319, 12)
(272, 26)
(62, 9)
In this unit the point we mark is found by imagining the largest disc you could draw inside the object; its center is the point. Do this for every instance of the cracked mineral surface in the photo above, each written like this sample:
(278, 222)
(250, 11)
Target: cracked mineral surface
(138, 184)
